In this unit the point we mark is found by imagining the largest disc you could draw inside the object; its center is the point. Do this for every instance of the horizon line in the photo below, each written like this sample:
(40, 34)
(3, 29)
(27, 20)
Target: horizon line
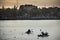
(35, 5)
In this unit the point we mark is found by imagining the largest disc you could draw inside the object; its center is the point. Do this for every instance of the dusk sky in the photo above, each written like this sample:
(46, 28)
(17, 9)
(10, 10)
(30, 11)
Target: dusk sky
(34, 2)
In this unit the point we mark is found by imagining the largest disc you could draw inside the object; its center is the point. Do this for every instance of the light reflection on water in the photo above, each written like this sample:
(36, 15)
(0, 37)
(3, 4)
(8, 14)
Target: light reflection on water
(15, 29)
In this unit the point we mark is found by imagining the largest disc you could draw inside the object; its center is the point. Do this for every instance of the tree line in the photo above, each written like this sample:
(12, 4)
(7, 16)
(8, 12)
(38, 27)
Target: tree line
(30, 12)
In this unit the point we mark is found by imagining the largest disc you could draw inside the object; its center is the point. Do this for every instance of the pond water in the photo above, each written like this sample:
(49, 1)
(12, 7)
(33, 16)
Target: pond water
(15, 29)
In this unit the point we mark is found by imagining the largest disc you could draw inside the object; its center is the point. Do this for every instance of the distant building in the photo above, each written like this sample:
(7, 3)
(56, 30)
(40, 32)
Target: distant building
(27, 7)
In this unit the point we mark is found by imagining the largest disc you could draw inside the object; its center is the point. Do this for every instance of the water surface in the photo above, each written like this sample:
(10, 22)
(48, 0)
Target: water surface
(15, 29)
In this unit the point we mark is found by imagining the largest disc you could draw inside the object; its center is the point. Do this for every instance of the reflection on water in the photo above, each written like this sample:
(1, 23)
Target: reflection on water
(15, 29)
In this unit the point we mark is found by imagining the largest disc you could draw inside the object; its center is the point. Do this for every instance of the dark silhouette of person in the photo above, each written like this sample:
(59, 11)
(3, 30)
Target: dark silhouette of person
(46, 34)
(40, 35)
(29, 31)
(43, 34)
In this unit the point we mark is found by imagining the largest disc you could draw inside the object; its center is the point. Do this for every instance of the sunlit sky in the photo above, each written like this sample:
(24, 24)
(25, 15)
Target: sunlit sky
(40, 3)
